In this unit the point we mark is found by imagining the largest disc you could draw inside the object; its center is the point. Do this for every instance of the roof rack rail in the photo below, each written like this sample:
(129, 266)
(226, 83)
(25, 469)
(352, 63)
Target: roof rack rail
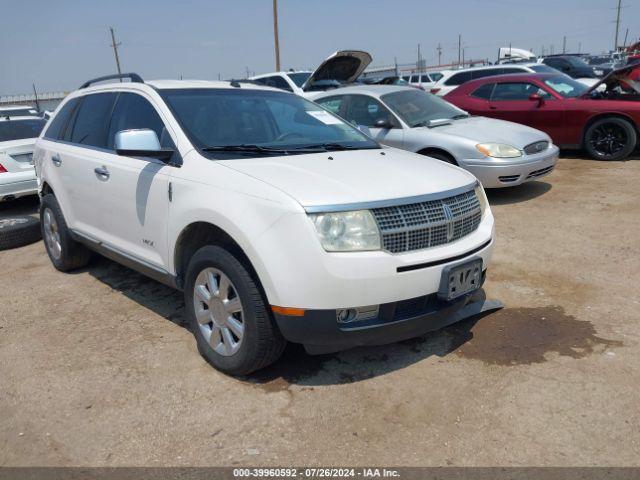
(134, 77)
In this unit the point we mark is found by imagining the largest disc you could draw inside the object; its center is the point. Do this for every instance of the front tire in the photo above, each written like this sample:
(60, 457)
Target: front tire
(228, 314)
(64, 252)
(610, 138)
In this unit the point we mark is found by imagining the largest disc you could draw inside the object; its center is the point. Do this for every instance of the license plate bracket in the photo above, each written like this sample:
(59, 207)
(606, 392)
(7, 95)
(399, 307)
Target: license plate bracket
(461, 279)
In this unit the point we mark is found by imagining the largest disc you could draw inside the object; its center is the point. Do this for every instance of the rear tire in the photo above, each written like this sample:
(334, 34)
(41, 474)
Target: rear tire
(228, 314)
(610, 138)
(64, 252)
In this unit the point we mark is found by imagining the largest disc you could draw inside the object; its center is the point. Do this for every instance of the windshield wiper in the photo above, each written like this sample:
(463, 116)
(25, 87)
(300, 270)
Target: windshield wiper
(459, 116)
(245, 147)
(325, 147)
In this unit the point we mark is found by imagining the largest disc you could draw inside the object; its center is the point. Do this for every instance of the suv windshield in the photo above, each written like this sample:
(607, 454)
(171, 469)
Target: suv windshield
(236, 123)
(566, 86)
(299, 78)
(19, 129)
(418, 108)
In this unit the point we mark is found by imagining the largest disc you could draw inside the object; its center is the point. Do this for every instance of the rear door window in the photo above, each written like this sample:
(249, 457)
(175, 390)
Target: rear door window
(57, 126)
(459, 78)
(489, 72)
(92, 120)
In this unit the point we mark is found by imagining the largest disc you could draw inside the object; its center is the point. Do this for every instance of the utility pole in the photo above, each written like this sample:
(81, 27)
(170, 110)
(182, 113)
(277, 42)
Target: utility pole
(564, 44)
(115, 50)
(624, 45)
(275, 34)
(439, 49)
(615, 44)
(36, 95)
(459, 47)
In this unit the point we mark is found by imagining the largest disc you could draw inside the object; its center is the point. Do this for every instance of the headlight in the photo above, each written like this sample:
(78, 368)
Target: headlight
(498, 150)
(347, 231)
(482, 198)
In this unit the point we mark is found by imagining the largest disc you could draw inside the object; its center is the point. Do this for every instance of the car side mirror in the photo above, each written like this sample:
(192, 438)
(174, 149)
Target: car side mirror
(384, 123)
(534, 97)
(141, 143)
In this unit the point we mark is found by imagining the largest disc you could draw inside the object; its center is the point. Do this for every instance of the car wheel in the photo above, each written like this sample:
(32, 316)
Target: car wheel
(227, 312)
(18, 231)
(64, 252)
(610, 139)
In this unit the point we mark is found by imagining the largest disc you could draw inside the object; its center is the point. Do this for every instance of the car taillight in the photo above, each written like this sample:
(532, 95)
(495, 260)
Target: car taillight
(2, 169)
(435, 90)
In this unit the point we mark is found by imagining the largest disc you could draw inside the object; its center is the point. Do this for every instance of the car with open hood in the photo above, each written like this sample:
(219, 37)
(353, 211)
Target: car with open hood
(340, 68)
(277, 219)
(603, 119)
(498, 153)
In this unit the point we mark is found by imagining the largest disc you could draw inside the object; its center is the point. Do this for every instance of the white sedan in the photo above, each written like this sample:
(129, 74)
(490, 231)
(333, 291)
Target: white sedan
(17, 140)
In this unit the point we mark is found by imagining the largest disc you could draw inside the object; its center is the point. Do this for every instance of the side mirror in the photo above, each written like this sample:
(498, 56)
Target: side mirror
(384, 123)
(140, 143)
(534, 97)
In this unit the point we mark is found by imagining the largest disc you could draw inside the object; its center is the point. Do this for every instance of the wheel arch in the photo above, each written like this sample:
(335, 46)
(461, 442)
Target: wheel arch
(439, 150)
(46, 189)
(199, 234)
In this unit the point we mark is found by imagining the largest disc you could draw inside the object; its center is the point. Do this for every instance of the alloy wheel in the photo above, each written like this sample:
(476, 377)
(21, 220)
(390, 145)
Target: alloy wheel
(52, 234)
(608, 139)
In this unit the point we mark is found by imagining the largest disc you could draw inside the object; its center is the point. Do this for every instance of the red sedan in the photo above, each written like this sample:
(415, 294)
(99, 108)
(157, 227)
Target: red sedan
(603, 119)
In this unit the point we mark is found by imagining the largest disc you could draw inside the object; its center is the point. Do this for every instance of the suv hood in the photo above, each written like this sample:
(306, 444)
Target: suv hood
(624, 74)
(484, 130)
(353, 176)
(343, 66)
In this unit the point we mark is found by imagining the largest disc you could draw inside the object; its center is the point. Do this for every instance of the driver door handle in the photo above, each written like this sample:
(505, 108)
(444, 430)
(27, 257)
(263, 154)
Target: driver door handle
(56, 160)
(102, 172)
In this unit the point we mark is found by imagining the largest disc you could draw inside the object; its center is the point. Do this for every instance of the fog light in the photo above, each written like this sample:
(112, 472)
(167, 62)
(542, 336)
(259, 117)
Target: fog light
(346, 315)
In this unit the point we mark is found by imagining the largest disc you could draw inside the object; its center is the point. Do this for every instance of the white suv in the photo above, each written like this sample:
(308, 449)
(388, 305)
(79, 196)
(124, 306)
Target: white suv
(277, 219)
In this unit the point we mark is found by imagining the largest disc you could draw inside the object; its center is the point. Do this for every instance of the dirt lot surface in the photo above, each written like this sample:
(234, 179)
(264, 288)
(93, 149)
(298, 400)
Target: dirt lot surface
(96, 369)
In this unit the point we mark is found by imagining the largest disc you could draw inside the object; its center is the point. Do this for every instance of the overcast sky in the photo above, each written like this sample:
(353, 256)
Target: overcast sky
(59, 44)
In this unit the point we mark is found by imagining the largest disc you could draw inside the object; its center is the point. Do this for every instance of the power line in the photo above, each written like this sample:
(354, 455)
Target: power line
(115, 50)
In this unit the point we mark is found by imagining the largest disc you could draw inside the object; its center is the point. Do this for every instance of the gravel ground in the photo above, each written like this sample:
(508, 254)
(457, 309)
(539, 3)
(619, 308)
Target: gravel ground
(97, 369)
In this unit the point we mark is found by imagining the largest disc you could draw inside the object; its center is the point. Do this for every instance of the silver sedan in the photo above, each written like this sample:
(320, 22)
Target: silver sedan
(498, 153)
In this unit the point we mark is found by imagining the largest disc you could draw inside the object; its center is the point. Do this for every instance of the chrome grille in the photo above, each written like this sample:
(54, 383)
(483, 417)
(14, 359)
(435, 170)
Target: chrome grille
(415, 226)
(536, 147)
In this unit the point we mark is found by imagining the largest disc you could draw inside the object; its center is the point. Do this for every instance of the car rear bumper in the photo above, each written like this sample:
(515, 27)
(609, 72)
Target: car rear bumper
(320, 332)
(13, 188)
(497, 174)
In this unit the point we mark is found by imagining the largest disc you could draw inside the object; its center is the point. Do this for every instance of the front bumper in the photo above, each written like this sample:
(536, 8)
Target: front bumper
(320, 332)
(498, 173)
